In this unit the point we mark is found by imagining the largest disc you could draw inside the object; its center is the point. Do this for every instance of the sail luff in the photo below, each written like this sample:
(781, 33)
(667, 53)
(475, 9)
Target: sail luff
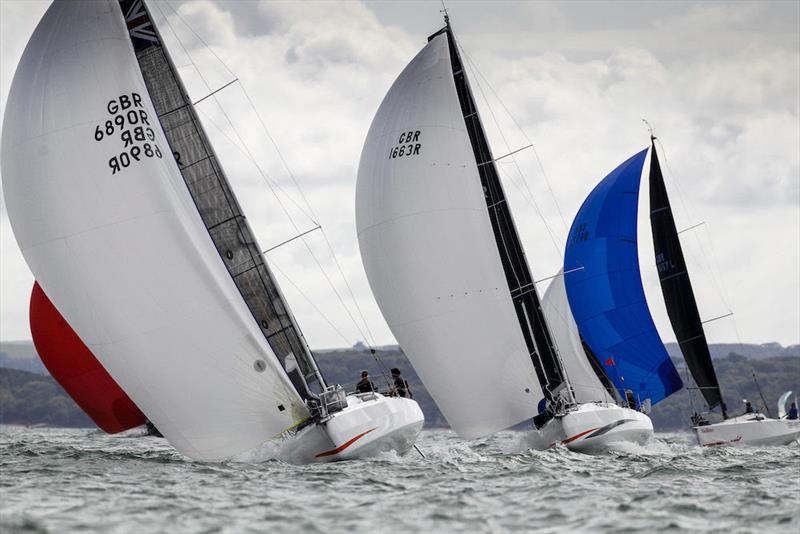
(527, 304)
(216, 201)
(676, 287)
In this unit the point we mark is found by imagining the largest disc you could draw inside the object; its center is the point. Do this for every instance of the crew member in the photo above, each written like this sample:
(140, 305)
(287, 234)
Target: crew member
(630, 399)
(748, 408)
(792, 413)
(365, 385)
(400, 387)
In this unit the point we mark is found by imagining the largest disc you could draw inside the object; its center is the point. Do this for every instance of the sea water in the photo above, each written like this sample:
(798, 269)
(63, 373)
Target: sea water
(60, 480)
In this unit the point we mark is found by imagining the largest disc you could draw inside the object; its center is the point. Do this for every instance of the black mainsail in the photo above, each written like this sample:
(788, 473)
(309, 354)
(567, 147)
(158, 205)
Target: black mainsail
(526, 301)
(216, 202)
(677, 289)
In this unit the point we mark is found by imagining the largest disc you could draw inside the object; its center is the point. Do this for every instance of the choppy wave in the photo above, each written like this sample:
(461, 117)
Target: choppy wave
(56, 480)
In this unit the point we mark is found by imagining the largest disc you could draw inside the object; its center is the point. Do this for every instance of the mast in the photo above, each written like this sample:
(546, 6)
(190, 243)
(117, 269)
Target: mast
(677, 289)
(216, 202)
(527, 305)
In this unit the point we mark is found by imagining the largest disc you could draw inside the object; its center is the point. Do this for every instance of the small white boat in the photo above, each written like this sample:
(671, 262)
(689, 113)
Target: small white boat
(370, 424)
(751, 429)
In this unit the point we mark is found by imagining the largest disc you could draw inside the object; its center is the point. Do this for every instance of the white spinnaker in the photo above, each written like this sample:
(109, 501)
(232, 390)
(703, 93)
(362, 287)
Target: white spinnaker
(431, 257)
(124, 255)
(585, 384)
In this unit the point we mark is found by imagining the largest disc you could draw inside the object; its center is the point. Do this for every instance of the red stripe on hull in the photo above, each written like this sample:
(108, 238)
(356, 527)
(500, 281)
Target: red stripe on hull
(717, 443)
(576, 436)
(73, 365)
(343, 446)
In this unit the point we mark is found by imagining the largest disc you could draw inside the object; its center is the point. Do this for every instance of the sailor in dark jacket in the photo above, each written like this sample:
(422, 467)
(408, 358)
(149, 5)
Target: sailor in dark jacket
(365, 385)
(400, 387)
(792, 414)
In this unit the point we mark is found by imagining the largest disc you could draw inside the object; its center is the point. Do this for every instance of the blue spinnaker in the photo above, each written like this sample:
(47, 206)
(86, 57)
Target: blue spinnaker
(606, 295)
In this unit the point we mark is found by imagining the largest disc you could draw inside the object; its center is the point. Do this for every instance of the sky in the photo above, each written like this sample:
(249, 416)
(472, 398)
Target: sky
(718, 81)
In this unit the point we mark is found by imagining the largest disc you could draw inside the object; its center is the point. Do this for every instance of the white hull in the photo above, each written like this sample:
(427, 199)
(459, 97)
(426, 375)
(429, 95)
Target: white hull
(748, 429)
(370, 424)
(593, 427)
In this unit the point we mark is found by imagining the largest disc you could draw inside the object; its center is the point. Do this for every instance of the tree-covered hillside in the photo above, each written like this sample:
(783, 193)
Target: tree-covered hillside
(29, 398)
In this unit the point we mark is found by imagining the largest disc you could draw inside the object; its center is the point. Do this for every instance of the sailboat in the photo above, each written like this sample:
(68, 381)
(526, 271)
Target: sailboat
(604, 288)
(446, 265)
(124, 215)
(676, 286)
(603, 285)
(603, 416)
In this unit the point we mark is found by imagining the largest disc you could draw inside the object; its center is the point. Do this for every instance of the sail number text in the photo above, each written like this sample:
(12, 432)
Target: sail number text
(130, 124)
(407, 145)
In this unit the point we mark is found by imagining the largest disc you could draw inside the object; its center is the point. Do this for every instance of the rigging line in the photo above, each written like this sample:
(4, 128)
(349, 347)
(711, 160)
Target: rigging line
(717, 318)
(261, 171)
(525, 135)
(312, 215)
(553, 237)
(559, 274)
(278, 150)
(712, 266)
(246, 152)
(691, 227)
(216, 91)
(349, 289)
(504, 156)
(311, 302)
(286, 166)
(716, 275)
(317, 227)
(371, 341)
(199, 38)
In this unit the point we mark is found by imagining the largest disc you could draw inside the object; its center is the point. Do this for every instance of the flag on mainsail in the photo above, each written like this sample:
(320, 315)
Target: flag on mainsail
(677, 289)
(606, 296)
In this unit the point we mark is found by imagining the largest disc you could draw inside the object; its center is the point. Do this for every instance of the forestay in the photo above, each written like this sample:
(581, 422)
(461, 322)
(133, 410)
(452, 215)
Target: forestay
(605, 290)
(431, 257)
(580, 370)
(107, 225)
